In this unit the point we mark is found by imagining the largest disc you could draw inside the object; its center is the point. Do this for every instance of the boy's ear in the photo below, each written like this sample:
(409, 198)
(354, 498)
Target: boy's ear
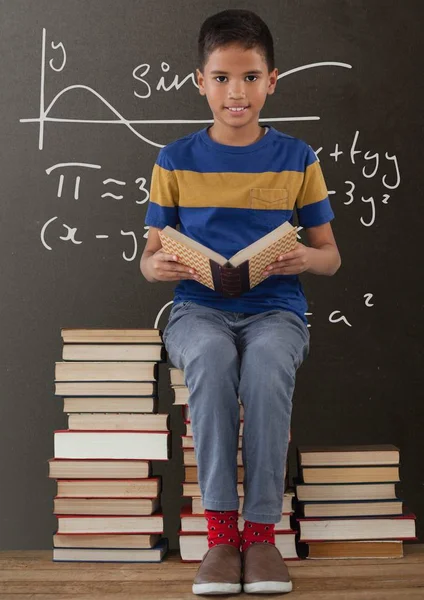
(200, 82)
(273, 78)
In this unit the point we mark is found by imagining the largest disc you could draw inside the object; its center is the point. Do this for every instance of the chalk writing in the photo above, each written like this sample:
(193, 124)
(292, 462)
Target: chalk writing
(388, 172)
(139, 74)
(335, 317)
(72, 233)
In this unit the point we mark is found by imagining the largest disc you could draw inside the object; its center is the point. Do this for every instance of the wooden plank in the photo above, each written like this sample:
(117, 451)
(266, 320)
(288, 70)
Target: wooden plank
(31, 575)
(156, 587)
(167, 594)
(42, 559)
(86, 572)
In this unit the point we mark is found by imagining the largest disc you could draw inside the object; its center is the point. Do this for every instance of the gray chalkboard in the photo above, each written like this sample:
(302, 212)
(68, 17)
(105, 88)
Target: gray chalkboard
(104, 85)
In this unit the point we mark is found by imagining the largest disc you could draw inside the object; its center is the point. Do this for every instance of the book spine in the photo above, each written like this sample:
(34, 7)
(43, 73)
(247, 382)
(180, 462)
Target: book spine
(231, 282)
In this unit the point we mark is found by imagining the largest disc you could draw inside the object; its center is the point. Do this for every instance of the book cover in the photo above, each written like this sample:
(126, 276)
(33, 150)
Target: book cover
(348, 455)
(100, 335)
(154, 554)
(242, 271)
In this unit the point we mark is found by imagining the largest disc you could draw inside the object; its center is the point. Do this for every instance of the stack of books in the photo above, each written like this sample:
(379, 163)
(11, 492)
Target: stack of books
(347, 505)
(193, 532)
(108, 503)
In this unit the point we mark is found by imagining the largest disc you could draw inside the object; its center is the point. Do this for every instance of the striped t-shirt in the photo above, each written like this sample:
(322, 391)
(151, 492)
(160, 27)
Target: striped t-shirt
(227, 197)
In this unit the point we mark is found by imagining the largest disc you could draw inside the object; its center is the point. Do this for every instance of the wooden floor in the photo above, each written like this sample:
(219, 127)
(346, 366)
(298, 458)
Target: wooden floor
(31, 575)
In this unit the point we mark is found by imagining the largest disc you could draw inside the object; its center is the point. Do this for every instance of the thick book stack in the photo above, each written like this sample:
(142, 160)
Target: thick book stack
(347, 505)
(193, 532)
(108, 503)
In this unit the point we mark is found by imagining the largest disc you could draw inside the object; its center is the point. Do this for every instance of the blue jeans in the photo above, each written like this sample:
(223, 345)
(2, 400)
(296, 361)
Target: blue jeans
(225, 355)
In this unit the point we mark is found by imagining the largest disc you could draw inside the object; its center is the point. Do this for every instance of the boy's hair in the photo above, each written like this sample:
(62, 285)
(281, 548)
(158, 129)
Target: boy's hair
(235, 26)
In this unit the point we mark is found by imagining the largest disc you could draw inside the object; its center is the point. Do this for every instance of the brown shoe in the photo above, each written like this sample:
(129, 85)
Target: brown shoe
(219, 572)
(264, 570)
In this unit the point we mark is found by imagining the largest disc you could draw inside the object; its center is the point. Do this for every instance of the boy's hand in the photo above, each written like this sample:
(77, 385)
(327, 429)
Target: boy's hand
(292, 263)
(166, 267)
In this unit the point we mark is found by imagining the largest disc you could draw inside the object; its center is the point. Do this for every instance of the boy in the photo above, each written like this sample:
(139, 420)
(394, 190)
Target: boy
(228, 185)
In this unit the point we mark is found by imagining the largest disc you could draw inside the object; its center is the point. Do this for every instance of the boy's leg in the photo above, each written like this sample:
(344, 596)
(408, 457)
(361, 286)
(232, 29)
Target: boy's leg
(199, 340)
(272, 347)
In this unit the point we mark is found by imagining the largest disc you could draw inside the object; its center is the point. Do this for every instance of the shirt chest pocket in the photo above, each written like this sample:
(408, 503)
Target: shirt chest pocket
(270, 198)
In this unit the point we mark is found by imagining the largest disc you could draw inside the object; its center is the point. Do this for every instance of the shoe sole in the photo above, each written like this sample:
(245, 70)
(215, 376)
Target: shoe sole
(268, 587)
(216, 588)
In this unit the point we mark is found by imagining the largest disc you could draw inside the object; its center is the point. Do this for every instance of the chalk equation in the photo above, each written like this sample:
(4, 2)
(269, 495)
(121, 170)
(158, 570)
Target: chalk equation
(367, 164)
(385, 168)
(71, 236)
(143, 91)
(76, 181)
(335, 317)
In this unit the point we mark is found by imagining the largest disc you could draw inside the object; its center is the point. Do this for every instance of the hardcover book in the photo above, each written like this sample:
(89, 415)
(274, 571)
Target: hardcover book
(142, 555)
(238, 274)
(401, 527)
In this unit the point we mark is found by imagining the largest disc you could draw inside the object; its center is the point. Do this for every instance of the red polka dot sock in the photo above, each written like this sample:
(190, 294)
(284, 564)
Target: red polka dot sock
(222, 527)
(257, 532)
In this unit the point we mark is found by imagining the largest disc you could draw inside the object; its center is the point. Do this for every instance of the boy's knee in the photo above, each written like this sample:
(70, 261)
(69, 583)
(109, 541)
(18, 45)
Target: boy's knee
(214, 354)
(266, 352)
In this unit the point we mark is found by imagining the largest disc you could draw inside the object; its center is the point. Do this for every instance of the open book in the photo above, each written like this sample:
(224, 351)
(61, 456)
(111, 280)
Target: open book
(238, 274)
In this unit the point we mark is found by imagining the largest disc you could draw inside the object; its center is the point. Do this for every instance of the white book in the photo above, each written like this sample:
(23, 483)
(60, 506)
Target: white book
(100, 352)
(105, 371)
(62, 468)
(105, 388)
(345, 491)
(105, 506)
(146, 445)
(113, 404)
(109, 524)
(96, 334)
(357, 528)
(176, 376)
(116, 421)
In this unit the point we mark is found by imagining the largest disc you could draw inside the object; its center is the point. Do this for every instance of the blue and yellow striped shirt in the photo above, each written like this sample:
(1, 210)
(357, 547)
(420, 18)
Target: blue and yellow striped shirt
(227, 197)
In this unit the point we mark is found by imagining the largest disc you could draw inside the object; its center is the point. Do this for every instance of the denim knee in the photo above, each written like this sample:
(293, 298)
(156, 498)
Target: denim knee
(212, 361)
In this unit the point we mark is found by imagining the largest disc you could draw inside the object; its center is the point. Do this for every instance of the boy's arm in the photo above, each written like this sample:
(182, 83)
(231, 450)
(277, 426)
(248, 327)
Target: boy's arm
(153, 244)
(314, 213)
(157, 265)
(320, 258)
(324, 257)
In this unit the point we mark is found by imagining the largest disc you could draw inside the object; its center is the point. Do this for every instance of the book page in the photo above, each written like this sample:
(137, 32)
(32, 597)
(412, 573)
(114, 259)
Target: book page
(197, 246)
(261, 244)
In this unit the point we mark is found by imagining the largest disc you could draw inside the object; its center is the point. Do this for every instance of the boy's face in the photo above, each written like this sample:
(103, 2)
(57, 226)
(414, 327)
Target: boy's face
(236, 77)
